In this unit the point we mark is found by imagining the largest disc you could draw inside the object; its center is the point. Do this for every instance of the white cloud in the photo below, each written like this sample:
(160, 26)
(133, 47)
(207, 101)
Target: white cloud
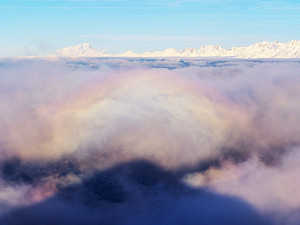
(199, 116)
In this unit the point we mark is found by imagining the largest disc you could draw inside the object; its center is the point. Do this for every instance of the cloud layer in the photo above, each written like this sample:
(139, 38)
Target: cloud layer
(228, 129)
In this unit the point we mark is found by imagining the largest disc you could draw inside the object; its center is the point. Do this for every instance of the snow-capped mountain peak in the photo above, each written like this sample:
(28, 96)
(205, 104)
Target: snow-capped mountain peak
(263, 49)
(81, 50)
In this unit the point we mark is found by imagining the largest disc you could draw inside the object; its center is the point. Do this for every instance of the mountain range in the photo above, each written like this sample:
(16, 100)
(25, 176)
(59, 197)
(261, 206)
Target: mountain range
(263, 49)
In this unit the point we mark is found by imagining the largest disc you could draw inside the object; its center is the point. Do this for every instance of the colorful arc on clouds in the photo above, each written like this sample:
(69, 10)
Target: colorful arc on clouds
(139, 112)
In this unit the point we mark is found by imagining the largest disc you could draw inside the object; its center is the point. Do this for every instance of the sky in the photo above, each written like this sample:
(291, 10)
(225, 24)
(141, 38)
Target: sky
(39, 27)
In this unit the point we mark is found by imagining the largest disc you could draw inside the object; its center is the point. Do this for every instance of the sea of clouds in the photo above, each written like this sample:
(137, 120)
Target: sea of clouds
(149, 141)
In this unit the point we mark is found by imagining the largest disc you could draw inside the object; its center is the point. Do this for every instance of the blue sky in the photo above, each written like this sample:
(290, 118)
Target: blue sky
(39, 27)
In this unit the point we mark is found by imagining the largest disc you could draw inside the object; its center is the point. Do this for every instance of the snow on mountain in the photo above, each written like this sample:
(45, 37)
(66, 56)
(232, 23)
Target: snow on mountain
(268, 50)
(258, 50)
(212, 50)
(81, 50)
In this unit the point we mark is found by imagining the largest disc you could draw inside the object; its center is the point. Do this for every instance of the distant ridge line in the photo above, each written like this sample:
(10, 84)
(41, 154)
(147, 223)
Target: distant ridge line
(263, 49)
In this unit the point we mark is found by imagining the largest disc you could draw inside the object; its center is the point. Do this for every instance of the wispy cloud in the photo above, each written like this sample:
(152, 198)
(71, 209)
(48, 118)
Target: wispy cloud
(113, 4)
(287, 5)
(144, 37)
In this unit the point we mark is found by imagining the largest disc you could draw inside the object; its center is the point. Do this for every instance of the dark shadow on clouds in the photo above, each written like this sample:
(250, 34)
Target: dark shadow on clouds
(137, 192)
